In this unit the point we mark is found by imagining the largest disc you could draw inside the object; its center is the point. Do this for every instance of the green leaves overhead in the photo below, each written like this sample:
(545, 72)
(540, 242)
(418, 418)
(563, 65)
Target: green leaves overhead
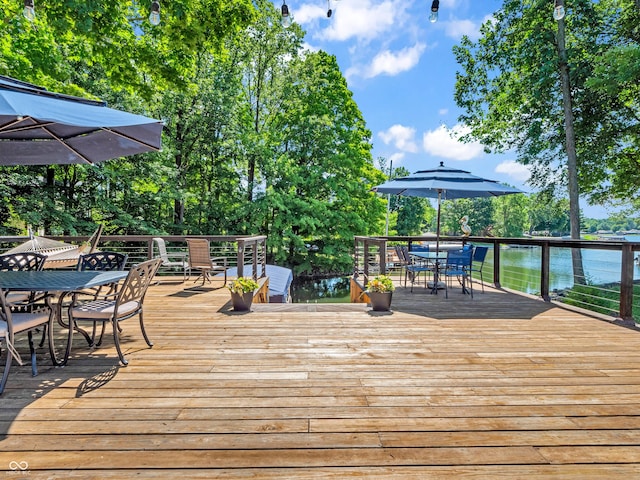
(510, 91)
(260, 137)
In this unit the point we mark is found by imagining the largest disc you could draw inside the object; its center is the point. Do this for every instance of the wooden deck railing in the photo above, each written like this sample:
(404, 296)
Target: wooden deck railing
(370, 256)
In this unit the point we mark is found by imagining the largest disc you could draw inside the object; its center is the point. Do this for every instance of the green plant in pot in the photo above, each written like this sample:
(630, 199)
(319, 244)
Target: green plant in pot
(242, 289)
(380, 291)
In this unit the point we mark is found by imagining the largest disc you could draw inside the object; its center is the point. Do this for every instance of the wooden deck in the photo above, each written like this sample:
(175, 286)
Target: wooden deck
(500, 386)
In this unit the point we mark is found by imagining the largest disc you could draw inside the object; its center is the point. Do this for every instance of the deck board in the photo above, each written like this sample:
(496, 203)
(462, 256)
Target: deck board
(498, 386)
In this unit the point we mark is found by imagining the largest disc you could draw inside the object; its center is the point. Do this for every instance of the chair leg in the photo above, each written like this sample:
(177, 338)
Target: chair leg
(44, 333)
(52, 348)
(32, 350)
(104, 325)
(144, 332)
(7, 367)
(116, 341)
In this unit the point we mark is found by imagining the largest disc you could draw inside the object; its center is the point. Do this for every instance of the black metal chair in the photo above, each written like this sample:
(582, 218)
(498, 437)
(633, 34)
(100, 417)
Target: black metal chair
(11, 262)
(104, 261)
(126, 302)
(26, 261)
(100, 261)
(26, 319)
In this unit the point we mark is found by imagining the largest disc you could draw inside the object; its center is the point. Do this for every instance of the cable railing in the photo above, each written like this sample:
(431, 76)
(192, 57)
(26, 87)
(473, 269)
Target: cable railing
(239, 250)
(543, 267)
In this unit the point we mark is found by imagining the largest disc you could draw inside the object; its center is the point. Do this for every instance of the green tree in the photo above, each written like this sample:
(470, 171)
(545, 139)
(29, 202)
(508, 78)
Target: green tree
(616, 78)
(413, 214)
(510, 215)
(548, 213)
(524, 87)
(71, 42)
(318, 191)
(478, 210)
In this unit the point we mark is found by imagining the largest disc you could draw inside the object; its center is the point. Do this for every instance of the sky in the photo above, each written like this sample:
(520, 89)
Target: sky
(401, 70)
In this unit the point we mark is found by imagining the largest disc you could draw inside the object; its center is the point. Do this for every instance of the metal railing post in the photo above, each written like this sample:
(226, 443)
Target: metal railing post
(544, 272)
(626, 283)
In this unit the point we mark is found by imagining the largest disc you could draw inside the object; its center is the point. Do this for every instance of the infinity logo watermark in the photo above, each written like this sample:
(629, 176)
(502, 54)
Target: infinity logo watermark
(18, 466)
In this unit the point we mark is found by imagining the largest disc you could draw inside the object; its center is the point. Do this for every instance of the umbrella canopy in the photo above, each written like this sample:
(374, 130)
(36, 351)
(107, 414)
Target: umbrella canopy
(444, 183)
(38, 127)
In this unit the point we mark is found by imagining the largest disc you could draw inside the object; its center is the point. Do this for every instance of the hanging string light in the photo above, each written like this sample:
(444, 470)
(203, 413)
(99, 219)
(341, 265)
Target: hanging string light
(285, 21)
(154, 15)
(329, 11)
(28, 11)
(435, 5)
(558, 10)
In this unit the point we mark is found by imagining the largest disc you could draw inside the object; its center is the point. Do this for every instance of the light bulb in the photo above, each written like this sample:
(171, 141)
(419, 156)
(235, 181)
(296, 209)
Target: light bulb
(285, 21)
(435, 5)
(558, 12)
(154, 15)
(29, 12)
(329, 12)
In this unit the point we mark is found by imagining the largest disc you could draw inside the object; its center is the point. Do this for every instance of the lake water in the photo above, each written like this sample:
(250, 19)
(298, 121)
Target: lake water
(520, 270)
(323, 290)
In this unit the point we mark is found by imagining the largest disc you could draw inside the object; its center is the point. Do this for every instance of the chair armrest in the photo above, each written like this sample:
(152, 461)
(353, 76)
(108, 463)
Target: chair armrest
(216, 261)
(180, 255)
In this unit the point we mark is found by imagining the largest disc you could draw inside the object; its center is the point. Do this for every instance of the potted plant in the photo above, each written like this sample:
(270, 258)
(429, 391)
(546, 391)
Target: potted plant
(380, 290)
(242, 289)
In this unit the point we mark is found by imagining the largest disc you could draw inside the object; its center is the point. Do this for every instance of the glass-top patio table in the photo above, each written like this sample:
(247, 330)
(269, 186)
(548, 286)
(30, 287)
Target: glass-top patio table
(62, 282)
(434, 259)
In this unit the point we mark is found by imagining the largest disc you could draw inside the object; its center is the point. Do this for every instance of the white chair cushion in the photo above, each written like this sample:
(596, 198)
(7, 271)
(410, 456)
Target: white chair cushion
(102, 310)
(24, 321)
(17, 297)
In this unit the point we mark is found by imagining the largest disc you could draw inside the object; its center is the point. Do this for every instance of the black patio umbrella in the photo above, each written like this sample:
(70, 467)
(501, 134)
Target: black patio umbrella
(39, 127)
(444, 183)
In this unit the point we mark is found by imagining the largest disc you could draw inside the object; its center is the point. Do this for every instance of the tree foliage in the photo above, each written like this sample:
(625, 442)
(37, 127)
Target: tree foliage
(510, 90)
(260, 136)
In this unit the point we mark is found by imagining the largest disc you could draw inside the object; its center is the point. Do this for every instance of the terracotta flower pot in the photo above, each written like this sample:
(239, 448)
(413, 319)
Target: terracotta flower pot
(242, 301)
(380, 301)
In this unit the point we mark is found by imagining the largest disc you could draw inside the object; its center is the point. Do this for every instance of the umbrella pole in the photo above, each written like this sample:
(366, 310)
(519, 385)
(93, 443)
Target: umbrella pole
(438, 223)
(436, 276)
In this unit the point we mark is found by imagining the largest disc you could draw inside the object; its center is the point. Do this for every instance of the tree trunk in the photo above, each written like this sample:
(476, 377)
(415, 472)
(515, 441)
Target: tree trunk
(572, 159)
(50, 192)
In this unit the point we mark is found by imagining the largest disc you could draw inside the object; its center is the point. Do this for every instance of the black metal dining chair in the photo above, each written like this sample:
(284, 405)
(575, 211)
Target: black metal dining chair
(24, 261)
(27, 319)
(126, 302)
(101, 261)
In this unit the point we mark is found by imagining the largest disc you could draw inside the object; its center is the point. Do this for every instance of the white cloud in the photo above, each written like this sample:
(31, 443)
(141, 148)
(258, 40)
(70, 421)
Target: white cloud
(363, 20)
(457, 28)
(403, 138)
(443, 111)
(443, 142)
(307, 13)
(309, 48)
(396, 158)
(393, 63)
(515, 170)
